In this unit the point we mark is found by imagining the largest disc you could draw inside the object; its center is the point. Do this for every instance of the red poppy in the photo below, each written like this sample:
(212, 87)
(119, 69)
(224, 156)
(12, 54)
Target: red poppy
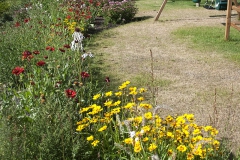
(36, 52)
(90, 1)
(27, 55)
(62, 50)
(41, 63)
(18, 70)
(66, 46)
(70, 93)
(17, 24)
(85, 75)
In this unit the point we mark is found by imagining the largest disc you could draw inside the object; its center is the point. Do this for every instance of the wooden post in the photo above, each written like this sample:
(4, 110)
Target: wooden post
(228, 19)
(161, 9)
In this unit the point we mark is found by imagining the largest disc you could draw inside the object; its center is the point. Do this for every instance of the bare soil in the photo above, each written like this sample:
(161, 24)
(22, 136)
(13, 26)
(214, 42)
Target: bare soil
(202, 82)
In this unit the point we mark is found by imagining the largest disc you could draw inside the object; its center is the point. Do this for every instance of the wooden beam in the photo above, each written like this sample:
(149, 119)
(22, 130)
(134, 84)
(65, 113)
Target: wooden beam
(161, 9)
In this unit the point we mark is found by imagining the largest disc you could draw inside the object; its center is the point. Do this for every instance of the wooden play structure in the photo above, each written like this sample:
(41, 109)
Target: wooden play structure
(231, 5)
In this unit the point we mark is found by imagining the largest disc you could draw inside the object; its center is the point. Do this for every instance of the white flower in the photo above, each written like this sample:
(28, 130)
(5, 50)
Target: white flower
(136, 139)
(132, 134)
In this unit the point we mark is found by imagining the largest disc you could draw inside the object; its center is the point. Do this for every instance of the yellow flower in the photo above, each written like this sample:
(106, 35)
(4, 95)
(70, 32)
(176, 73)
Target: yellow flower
(116, 110)
(140, 98)
(95, 110)
(152, 147)
(116, 103)
(95, 143)
(138, 119)
(208, 128)
(129, 105)
(190, 156)
(102, 128)
(170, 152)
(108, 103)
(190, 117)
(214, 132)
(95, 97)
(145, 139)
(84, 109)
(137, 147)
(128, 141)
(146, 106)
(108, 94)
(90, 138)
(196, 131)
(141, 90)
(169, 119)
(146, 128)
(182, 148)
(118, 93)
(148, 115)
(170, 135)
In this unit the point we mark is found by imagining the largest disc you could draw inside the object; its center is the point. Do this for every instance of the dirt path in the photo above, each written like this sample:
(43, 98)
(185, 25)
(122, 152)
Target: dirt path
(194, 75)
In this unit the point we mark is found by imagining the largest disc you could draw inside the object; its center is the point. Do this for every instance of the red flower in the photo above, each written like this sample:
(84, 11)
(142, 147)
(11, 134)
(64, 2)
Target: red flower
(26, 20)
(17, 24)
(85, 75)
(17, 70)
(68, 17)
(70, 93)
(41, 63)
(27, 55)
(66, 46)
(62, 50)
(36, 52)
(90, 1)
(50, 48)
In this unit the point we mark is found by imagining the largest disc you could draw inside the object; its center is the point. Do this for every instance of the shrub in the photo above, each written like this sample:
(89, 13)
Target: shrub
(119, 11)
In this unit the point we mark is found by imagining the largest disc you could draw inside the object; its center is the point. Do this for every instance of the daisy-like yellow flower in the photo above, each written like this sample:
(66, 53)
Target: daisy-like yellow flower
(95, 97)
(140, 98)
(116, 110)
(145, 139)
(102, 128)
(190, 156)
(90, 138)
(108, 94)
(148, 115)
(141, 90)
(137, 147)
(190, 117)
(182, 148)
(146, 106)
(118, 93)
(146, 128)
(129, 105)
(170, 135)
(138, 119)
(214, 132)
(108, 103)
(152, 147)
(95, 143)
(116, 103)
(170, 152)
(128, 141)
(196, 131)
